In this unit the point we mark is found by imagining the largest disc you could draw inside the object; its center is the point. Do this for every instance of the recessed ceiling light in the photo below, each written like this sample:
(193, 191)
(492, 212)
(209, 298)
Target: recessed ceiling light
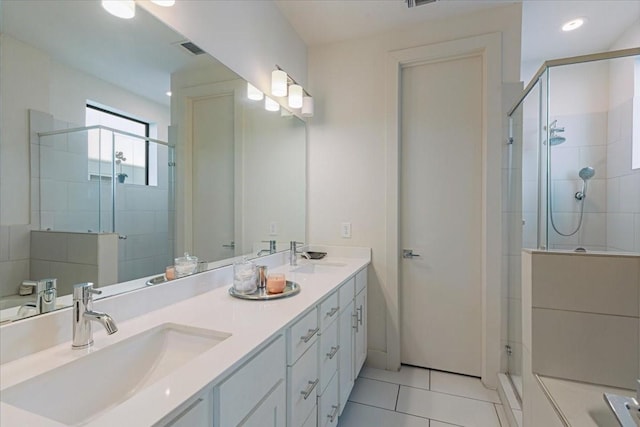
(574, 24)
(168, 93)
(125, 9)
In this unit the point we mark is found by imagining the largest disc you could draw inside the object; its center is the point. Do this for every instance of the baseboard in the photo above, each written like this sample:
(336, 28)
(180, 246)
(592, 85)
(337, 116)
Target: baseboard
(510, 402)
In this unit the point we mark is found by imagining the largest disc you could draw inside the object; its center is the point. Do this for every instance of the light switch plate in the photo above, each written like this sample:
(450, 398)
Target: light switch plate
(345, 230)
(273, 228)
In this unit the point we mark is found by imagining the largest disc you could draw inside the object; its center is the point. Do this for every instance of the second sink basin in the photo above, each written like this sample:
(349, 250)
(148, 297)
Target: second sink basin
(77, 392)
(324, 267)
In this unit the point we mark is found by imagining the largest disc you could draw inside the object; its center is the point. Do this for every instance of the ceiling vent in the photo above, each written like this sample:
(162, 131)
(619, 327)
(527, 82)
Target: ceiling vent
(192, 47)
(412, 3)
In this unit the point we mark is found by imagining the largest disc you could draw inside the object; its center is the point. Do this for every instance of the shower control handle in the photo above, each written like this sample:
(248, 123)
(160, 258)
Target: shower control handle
(408, 253)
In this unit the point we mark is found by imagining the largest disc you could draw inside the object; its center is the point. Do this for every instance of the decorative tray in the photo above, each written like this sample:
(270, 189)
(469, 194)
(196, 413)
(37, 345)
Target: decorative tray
(290, 289)
(316, 255)
(155, 280)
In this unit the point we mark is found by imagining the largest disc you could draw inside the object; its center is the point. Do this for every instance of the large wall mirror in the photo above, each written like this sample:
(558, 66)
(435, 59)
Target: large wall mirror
(107, 178)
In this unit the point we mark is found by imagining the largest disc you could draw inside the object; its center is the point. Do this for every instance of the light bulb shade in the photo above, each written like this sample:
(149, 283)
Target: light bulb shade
(307, 107)
(125, 9)
(254, 93)
(279, 83)
(165, 3)
(295, 96)
(270, 104)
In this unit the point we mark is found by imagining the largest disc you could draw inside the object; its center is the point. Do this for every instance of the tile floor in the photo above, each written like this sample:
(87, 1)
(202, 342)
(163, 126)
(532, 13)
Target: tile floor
(416, 397)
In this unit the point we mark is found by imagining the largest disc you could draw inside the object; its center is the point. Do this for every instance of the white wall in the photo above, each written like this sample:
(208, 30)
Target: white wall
(33, 80)
(249, 36)
(347, 151)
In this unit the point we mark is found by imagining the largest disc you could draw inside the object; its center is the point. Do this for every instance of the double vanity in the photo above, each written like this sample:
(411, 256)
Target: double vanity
(189, 354)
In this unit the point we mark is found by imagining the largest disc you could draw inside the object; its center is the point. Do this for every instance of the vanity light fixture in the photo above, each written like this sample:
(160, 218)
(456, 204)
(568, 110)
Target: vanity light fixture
(254, 93)
(295, 96)
(164, 3)
(574, 24)
(279, 80)
(270, 104)
(307, 106)
(298, 96)
(125, 9)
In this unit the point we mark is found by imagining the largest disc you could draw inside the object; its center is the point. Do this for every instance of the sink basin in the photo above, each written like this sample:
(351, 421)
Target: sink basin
(77, 392)
(325, 267)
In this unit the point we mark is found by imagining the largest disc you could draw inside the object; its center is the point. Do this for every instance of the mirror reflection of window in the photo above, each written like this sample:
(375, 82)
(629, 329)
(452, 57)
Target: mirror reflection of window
(131, 155)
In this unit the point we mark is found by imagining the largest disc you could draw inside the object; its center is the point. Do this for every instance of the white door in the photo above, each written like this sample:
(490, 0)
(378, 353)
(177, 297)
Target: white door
(440, 215)
(213, 172)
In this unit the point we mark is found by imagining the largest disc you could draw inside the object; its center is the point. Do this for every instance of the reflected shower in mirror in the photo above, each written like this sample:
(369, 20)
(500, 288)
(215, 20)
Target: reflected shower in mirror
(231, 178)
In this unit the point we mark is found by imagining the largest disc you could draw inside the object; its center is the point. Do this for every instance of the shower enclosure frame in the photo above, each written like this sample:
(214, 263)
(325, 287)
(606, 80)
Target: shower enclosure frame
(114, 132)
(540, 81)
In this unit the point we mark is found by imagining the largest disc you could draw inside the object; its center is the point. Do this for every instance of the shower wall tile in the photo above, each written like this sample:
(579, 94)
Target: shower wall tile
(12, 273)
(630, 193)
(613, 128)
(593, 232)
(618, 159)
(594, 284)
(4, 243)
(586, 347)
(19, 242)
(620, 231)
(613, 195)
(82, 248)
(565, 162)
(39, 269)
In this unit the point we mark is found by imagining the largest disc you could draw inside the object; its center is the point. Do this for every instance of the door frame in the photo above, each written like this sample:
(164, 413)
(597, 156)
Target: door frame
(489, 47)
(185, 97)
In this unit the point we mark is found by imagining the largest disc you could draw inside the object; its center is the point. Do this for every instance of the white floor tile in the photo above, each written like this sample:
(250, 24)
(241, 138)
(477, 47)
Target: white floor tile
(461, 385)
(357, 415)
(502, 416)
(374, 393)
(447, 408)
(408, 375)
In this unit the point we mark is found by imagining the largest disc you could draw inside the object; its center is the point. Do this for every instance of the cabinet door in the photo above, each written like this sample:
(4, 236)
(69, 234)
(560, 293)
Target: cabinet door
(197, 414)
(271, 412)
(328, 406)
(361, 330)
(346, 331)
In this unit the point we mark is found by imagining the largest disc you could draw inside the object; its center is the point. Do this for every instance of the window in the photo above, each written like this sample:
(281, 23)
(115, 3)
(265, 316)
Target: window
(131, 154)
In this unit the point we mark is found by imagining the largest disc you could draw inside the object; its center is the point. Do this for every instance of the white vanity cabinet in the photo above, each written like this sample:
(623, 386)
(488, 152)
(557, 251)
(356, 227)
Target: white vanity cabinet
(254, 395)
(360, 348)
(198, 413)
(302, 369)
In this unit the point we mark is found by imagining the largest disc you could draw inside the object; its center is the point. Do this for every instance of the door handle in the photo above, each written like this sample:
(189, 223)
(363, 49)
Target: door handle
(408, 253)
(231, 245)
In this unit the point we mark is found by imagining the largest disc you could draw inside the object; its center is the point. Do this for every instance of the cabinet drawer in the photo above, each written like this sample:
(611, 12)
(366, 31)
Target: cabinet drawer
(346, 293)
(240, 393)
(312, 419)
(302, 335)
(361, 280)
(302, 383)
(329, 355)
(328, 406)
(329, 310)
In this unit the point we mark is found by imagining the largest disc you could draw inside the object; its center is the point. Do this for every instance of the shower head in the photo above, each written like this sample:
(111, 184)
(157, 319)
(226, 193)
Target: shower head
(587, 173)
(556, 140)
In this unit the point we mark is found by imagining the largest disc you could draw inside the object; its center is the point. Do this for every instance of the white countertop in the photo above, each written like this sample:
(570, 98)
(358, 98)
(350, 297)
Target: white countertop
(250, 323)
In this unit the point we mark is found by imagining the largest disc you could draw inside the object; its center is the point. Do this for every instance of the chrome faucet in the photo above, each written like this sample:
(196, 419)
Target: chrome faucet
(46, 293)
(83, 315)
(293, 252)
(271, 250)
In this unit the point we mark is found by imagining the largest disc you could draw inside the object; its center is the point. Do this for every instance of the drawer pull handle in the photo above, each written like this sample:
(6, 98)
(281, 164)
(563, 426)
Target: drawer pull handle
(312, 384)
(354, 316)
(310, 335)
(360, 315)
(332, 416)
(333, 311)
(333, 352)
